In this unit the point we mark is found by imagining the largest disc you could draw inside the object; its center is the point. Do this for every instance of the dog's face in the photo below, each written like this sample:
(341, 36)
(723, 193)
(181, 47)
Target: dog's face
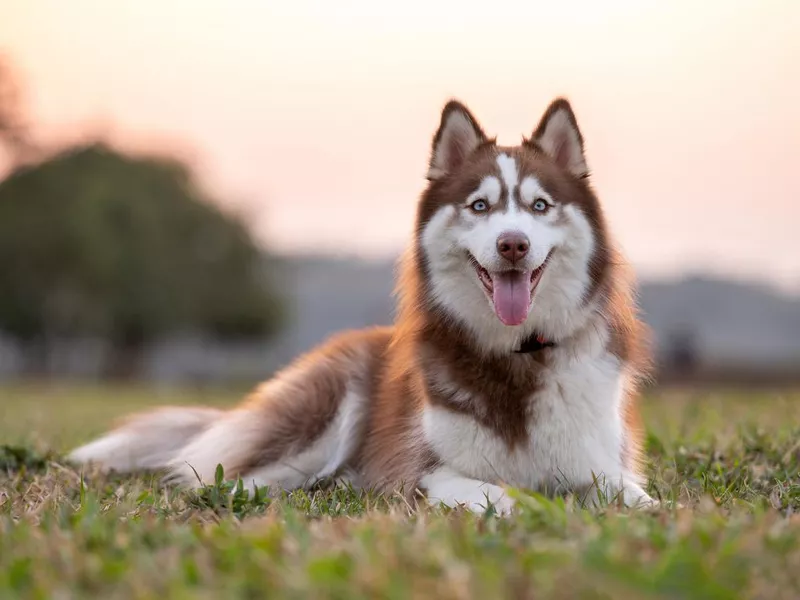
(512, 238)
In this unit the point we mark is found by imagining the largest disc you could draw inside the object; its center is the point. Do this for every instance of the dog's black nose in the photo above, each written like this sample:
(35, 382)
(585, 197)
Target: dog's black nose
(513, 246)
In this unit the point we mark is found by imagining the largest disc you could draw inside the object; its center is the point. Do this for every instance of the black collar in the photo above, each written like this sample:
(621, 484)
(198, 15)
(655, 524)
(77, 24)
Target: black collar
(534, 343)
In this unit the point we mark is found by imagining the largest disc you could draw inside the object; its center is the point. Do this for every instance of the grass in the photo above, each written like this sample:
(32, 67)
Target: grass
(732, 459)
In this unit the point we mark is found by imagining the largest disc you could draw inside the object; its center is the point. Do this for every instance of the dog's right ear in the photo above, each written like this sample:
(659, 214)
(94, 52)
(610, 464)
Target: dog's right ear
(458, 135)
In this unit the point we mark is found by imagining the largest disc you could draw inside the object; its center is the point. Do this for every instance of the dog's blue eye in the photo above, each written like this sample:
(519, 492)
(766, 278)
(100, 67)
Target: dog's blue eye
(479, 206)
(540, 205)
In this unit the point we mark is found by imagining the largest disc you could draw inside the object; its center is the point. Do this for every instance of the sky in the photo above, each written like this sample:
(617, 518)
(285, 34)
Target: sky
(313, 119)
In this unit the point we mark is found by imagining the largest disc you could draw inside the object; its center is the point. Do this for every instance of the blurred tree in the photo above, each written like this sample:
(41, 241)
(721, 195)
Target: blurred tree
(95, 242)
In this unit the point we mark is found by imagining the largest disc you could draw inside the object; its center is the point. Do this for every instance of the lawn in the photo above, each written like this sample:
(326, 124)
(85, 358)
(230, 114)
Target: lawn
(731, 458)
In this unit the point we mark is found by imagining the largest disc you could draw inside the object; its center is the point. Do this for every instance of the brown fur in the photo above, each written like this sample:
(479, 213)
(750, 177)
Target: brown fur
(423, 344)
(398, 367)
(427, 343)
(297, 405)
(427, 358)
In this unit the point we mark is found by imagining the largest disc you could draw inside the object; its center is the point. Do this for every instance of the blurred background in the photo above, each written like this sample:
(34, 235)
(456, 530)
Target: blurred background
(195, 192)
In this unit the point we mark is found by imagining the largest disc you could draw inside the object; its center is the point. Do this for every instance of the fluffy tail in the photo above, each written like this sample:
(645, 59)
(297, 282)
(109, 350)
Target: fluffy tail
(147, 441)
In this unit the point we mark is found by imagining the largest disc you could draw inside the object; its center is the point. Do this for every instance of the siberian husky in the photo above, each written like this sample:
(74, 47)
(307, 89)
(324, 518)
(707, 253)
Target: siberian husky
(514, 361)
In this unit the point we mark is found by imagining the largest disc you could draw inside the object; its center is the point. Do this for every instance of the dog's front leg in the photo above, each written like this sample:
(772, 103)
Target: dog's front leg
(453, 489)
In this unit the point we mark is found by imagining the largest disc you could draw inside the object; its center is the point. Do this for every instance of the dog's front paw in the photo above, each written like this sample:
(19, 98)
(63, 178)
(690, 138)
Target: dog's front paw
(499, 501)
(454, 490)
(488, 497)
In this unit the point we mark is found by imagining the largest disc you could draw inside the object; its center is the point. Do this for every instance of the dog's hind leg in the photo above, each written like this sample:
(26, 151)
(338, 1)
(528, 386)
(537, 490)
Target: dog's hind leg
(302, 426)
(264, 451)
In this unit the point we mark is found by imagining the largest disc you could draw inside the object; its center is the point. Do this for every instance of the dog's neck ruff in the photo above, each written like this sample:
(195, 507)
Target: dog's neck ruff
(534, 343)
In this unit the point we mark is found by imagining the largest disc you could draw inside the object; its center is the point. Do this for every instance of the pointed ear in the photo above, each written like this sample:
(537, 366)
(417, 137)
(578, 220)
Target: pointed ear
(558, 135)
(458, 135)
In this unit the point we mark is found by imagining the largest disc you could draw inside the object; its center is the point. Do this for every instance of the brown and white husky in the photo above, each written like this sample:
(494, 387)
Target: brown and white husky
(514, 360)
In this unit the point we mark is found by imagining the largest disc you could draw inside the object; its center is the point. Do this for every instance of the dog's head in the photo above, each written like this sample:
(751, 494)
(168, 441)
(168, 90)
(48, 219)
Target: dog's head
(511, 239)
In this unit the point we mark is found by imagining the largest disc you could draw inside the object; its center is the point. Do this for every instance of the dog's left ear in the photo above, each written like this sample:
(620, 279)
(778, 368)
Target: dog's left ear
(558, 135)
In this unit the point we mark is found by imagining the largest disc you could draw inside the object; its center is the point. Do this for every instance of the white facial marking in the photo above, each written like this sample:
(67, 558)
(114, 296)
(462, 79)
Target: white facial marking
(510, 176)
(530, 189)
(488, 190)
(433, 236)
(543, 235)
(558, 305)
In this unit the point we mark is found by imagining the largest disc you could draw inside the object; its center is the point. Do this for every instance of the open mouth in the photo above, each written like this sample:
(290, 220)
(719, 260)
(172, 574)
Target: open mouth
(510, 291)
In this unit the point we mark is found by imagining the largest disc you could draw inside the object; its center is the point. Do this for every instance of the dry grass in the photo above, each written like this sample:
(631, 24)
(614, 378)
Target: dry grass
(732, 459)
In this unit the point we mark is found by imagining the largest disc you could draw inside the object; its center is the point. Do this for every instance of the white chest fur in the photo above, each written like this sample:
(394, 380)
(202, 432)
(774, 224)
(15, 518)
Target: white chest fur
(575, 432)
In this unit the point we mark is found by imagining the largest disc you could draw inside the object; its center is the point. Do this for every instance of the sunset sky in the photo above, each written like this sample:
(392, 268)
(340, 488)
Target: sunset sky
(315, 117)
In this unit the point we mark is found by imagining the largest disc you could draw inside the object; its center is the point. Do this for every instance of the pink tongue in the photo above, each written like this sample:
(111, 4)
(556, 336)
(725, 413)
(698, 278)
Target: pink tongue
(512, 296)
